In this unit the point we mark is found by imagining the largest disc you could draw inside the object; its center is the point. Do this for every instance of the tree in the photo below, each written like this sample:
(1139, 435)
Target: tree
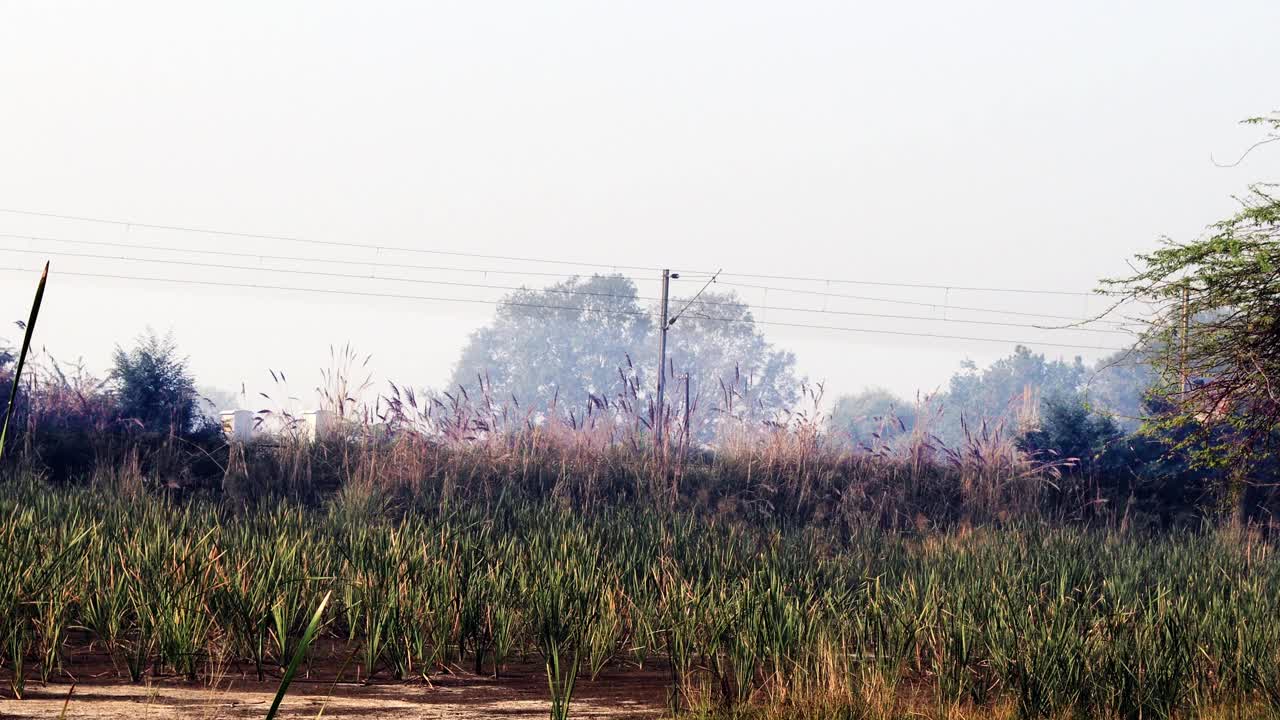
(1215, 334)
(734, 372)
(1119, 385)
(1007, 390)
(582, 336)
(872, 417)
(1069, 431)
(557, 344)
(1133, 477)
(153, 386)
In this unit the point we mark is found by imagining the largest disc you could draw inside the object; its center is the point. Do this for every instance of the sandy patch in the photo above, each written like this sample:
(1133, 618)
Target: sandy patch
(518, 695)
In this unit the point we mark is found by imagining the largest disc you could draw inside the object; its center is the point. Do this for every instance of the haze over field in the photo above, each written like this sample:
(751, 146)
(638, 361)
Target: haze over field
(991, 145)
(723, 360)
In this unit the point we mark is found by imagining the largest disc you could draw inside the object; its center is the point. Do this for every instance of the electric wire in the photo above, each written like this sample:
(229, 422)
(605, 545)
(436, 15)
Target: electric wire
(299, 258)
(917, 303)
(381, 247)
(916, 286)
(257, 286)
(688, 304)
(692, 300)
(534, 273)
(313, 241)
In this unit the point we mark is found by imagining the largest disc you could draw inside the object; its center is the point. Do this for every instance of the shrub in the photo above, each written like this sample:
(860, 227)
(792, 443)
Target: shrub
(153, 385)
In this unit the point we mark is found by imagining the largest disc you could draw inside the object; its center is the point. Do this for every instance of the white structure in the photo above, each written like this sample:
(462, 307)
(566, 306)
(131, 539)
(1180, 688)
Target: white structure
(241, 426)
(237, 425)
(320, 425)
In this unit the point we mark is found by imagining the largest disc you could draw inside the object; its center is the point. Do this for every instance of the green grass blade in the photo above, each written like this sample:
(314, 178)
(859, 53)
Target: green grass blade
(22, 357)
(298, 654)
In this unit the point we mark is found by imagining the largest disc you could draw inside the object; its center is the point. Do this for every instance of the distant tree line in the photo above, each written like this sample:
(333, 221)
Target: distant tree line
(1186, 423)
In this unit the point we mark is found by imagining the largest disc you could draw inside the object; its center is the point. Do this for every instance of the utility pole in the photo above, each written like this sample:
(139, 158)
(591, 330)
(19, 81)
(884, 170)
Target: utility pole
(662, 359)
(667, 322)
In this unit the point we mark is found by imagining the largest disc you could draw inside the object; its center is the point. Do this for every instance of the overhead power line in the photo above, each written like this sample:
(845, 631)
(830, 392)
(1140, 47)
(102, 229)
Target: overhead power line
(325, 291)
(918, 303)
(330, 243)
(614, 266)
(775, 323)
(692, 300)
(397, 296)
(538, 273)
(512, 288)
(917, 286)
(300, 258)
(317, 273)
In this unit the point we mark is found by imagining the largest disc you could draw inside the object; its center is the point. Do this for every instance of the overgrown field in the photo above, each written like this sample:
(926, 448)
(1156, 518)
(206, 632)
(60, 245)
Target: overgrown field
(750, 618)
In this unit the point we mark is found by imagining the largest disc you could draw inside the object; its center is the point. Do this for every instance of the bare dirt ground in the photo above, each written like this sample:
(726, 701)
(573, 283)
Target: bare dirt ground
(519, 694)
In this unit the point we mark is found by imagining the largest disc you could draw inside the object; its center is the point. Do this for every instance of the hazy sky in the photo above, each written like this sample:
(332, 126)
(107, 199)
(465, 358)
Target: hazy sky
(1010, 144)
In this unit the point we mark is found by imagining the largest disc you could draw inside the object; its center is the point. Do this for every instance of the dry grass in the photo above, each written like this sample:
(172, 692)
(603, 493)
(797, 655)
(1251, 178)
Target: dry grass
(768, 570)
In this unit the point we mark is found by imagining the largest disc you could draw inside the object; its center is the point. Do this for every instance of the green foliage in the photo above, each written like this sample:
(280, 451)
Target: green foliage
(1055, 622)
(1068, 430)
(153, 385)
(1088, 449)
(1147, 478)
(304, 645)
(1215, 334)
(1019, 384)
(1008, 388)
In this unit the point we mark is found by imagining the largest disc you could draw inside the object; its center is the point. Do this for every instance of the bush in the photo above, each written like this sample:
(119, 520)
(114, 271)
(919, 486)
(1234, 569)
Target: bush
(153, 386)
(1089, 448)
(1068, 430)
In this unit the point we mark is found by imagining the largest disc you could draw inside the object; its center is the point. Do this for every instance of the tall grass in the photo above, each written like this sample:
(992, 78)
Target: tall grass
(749, 618)
(778, 574)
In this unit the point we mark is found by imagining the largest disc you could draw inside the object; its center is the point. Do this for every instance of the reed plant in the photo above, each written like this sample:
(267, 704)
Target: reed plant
(1047, 621)
(777, 574)
(28, 329)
